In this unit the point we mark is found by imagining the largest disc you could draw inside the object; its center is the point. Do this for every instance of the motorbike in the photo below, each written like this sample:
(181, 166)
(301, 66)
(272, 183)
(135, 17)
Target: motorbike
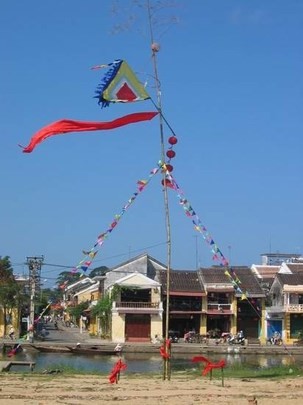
(238, 339)
(173, 336)
(275, 339)
(189, 337)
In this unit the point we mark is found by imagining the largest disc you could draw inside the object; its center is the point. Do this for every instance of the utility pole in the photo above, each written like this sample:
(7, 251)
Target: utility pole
(34, 266)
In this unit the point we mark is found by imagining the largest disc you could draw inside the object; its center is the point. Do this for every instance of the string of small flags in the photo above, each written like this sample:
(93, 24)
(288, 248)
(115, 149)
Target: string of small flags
(89, 255)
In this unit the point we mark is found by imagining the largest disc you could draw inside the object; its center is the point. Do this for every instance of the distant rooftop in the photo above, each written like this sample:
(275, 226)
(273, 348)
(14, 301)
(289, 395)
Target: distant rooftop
(289, 255)
(278, 258)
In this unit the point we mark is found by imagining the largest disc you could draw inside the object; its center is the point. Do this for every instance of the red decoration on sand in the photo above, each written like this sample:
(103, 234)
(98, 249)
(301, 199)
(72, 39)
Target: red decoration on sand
(164, 349)
(115, 373)
(209, 366)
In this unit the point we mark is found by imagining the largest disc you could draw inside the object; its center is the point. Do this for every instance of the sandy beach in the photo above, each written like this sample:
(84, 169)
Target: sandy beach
(137, 390)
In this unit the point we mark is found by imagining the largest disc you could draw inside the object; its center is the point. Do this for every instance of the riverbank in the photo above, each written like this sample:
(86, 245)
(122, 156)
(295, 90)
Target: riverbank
(178, 348)
(152, 390)
(57, 339)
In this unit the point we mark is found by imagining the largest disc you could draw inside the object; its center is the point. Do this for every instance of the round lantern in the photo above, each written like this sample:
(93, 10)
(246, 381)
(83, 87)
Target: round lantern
(172, 140)
(170, 153)
(169, 168)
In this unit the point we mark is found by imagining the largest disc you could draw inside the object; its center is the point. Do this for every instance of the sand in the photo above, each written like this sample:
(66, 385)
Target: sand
(47, 389)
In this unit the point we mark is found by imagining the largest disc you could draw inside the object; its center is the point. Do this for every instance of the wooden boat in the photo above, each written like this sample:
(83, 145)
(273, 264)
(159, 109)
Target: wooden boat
(92, 350)
(51, 349)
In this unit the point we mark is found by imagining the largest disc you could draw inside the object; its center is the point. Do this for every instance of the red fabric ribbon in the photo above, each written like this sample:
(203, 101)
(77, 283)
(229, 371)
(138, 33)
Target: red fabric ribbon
(209, 366)
(65, 126)
(114, 375)
(164, 349)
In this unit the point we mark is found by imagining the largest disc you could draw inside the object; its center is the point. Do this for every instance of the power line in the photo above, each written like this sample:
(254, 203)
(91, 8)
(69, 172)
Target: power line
(100, 260)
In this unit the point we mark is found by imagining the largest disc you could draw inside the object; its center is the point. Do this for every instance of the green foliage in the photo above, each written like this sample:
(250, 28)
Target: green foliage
(99, 271)
(103, 310)
(67, 276)
(77, 311)
(11, 295)
(52, 295)
(6, 270)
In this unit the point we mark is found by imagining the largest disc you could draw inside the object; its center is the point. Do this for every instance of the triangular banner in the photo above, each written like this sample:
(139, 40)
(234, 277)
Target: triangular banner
(120, 85)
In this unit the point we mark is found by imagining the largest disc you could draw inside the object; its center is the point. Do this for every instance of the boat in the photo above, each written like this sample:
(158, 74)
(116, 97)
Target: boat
(50, 349)
(93, 350)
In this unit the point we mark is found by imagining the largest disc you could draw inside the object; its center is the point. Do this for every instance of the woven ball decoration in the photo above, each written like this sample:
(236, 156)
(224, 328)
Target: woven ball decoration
(155, 47)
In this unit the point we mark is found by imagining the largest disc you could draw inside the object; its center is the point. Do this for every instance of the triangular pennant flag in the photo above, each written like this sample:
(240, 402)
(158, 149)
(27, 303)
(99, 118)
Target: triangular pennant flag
(120, 85)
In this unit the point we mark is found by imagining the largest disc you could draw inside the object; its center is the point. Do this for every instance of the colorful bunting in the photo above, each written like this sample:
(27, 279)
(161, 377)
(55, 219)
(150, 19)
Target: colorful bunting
(86, 262)
(189, 212)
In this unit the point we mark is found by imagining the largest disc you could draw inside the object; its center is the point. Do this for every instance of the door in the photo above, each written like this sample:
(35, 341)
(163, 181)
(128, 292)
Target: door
(274, 326)
(137, 328)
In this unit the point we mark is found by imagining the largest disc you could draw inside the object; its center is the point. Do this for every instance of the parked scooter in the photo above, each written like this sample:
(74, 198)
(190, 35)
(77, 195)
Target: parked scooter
(238, 339)
(276, 339)
(189, 337)
(173, 336)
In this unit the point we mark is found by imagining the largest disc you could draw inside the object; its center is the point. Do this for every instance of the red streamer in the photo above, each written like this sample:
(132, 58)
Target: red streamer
(65, 126)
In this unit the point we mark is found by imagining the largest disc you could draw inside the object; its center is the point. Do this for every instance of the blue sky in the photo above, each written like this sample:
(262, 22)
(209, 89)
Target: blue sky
(231, 81)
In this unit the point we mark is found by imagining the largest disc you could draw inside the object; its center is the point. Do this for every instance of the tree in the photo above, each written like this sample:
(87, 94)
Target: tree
(6, 270)
(51, 295)
(77, 311)
(99, 271)
(67, 277)
(10, 292)
(103, 310)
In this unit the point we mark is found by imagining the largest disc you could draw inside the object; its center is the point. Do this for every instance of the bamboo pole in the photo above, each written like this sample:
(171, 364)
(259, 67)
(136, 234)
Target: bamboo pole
(155, 49)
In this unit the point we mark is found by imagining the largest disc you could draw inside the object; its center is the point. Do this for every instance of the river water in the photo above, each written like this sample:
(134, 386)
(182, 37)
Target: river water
(142, 363)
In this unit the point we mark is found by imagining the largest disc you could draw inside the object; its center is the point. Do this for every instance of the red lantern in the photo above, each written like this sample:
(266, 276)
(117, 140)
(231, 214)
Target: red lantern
(168, 183)
(170, 154)
(172, 140)
(169, 168)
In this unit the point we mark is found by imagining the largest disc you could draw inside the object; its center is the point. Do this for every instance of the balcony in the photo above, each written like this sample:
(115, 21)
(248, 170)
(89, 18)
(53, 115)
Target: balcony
(217, 309)
(290, 308)
(275, 309)
(138, 307)
(295, 308)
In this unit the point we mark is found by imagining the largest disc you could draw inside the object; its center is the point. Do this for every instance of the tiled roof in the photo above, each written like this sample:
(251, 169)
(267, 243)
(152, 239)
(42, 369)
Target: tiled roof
(267, 271)
(181, 281)
(216, 275)
(249, 281)
(295, 267)
(290, 279)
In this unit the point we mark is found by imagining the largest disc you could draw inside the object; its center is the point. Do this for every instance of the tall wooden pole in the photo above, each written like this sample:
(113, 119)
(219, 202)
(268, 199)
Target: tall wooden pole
(155, 49)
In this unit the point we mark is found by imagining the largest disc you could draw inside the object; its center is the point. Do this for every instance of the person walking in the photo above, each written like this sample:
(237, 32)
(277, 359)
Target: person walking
(11, 332)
